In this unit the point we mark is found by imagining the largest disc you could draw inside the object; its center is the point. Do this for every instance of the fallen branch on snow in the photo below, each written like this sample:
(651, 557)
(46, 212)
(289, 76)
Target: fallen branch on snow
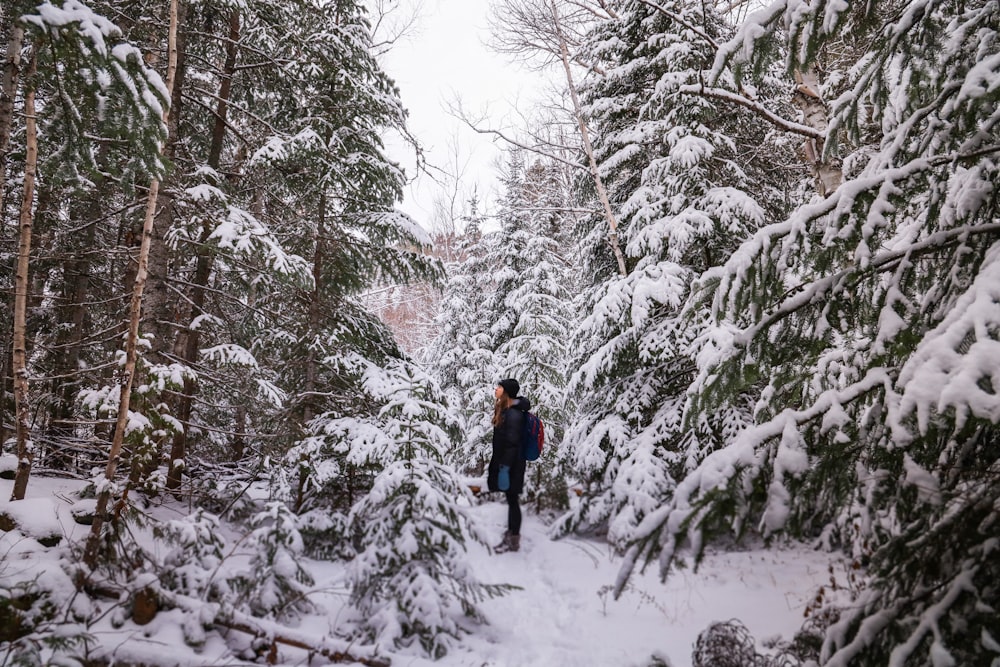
(332, 649)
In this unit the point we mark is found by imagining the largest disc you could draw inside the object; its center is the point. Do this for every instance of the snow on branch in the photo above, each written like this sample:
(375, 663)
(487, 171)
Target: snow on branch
(755, 106)
(872, 626)
(733, 275)
(930, 620)
(230, 353)
(748, 453)
(757, 26)
(674, 16)
(957, 364)
(881, 262)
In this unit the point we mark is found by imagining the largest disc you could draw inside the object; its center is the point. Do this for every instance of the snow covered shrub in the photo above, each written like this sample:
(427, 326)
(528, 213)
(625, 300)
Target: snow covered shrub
(275, 585)
(410, 580)
(223, 492)
(342, 450)
(150, 424)
(330, 468)
(191, 567)
(49, 645)
(325, 535)
(123, 552)
(41, 615)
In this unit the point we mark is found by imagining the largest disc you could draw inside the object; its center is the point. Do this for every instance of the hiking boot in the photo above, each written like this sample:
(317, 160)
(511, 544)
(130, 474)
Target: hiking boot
(514, 542)
(504, 543)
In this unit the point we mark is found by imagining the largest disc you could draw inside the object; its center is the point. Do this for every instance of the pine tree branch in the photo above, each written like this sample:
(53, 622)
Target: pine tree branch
(197, 99)
(884, 262)
(674, 17)
(683, 514)
(754, 106)
(841, 200)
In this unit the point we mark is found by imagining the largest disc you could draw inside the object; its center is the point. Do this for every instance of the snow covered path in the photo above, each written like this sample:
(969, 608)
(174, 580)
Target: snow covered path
(565, 614)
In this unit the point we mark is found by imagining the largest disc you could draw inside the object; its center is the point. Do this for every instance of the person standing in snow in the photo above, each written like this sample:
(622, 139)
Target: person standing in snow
(506, 471)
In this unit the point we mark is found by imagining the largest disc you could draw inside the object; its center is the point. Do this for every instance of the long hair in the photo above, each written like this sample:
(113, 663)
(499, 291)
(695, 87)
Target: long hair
(502, 403)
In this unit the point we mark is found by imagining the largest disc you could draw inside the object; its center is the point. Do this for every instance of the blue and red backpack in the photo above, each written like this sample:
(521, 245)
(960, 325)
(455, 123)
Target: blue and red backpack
(534, 438)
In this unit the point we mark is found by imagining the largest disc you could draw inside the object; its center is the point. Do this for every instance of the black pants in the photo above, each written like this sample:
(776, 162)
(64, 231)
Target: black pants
(513, 513)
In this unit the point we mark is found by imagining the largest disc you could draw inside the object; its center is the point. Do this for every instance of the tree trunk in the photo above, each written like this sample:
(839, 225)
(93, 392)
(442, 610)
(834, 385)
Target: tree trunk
(178, 447)
(92, 549)
(11, 68)
(203, 268)
(161, 311)
(5, 365)
(588, 147)
(8, 88)
(72, 318)
(312, 369)
(315, 311)
(827, 173)
(25, 448)
(238, 448)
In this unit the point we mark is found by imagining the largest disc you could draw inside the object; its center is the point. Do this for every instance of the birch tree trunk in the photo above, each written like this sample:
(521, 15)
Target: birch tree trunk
(160, 309)
(8, 87)
(25, 448)
(828, 174)
(588, 146)
(92, 549)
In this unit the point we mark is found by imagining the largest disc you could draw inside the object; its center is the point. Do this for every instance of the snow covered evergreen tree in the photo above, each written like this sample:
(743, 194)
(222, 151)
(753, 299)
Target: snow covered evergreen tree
(532, 330)
(505, 313)
(410, 580)
(870, 317)
(336, 177)
(686, 187)
(462, 356)
(275, 585)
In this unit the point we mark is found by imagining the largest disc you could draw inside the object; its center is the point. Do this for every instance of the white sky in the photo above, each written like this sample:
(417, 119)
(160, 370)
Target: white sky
(445, 59)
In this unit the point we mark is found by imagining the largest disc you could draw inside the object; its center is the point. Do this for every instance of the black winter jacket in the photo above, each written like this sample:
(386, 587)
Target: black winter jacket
(508, 446)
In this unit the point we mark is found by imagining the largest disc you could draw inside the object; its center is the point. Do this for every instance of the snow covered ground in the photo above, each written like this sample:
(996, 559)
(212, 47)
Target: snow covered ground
(563, 614)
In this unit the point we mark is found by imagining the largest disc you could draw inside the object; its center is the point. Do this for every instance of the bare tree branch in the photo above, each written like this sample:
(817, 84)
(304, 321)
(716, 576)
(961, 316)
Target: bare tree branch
(519, 144)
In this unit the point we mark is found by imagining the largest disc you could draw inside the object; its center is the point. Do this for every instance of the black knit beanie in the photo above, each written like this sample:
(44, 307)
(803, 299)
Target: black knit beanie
(510, 386)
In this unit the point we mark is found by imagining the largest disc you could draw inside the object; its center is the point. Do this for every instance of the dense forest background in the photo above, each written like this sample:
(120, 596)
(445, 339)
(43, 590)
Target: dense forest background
(745, 264)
